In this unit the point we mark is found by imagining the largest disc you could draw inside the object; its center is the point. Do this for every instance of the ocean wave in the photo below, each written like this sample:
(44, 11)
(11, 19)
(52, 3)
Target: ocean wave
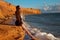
(40, 35)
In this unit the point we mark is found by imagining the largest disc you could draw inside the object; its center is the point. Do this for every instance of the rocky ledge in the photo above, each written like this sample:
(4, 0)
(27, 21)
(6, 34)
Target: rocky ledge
(9, 32)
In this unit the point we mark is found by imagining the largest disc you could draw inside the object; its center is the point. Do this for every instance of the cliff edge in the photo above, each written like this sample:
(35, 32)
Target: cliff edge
(7, 9)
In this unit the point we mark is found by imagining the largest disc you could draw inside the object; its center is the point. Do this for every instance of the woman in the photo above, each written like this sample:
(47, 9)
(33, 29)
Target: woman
(18, 16)
(19, 22)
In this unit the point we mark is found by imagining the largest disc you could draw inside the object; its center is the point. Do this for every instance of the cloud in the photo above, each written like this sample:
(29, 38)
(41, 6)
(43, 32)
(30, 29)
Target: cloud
(55, 8)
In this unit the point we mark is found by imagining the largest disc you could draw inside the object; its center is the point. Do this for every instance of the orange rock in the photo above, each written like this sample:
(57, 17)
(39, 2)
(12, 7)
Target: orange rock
(9, 9)
(8, 32)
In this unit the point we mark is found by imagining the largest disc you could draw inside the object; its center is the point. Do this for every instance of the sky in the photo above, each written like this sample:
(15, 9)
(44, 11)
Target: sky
(34, 3)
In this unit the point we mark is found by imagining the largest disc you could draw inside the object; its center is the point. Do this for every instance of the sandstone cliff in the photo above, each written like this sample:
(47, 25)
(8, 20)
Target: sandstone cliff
(9, 9)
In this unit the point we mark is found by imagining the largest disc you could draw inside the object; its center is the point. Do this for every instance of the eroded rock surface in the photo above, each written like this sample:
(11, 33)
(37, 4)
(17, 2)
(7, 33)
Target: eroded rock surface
(8, 32)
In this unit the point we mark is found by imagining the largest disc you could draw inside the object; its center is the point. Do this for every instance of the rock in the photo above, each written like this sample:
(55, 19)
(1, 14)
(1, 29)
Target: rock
(9, 32)
(9, 9)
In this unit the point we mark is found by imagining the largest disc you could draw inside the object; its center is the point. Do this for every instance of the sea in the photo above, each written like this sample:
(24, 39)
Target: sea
(45, 26)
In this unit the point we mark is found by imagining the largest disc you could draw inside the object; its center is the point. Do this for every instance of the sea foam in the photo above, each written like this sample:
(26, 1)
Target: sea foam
(40, 35)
